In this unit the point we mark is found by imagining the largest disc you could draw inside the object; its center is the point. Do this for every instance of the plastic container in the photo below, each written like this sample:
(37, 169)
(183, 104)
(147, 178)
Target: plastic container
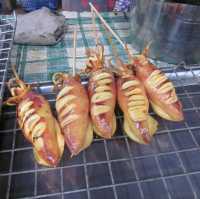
(30, 5)
(174, 29)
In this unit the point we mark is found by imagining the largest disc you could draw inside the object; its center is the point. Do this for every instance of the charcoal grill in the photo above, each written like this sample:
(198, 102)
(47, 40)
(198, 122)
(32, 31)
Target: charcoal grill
(118, 168)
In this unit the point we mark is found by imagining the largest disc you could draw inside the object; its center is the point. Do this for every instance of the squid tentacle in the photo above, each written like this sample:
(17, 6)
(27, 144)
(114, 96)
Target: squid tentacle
(18, 90)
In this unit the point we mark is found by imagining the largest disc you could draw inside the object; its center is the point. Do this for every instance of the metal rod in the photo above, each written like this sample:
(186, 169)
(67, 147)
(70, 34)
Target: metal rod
(4, 59)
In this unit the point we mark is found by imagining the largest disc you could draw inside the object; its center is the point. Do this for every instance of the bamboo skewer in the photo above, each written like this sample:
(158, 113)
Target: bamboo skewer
(94, 27)
(114, 49)
(107, 26)
(74, 52)
(15, 72)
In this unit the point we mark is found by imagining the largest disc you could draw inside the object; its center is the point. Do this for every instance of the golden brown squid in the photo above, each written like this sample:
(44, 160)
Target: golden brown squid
(160, 90)
(72, 106)
(38, 125)
(132, 99)
(102, 94)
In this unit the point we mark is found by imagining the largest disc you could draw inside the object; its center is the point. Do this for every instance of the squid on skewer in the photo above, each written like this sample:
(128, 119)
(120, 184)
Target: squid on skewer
(132, 99)
(102, 94)
(38, 125)
(160, 90)
(72, 106)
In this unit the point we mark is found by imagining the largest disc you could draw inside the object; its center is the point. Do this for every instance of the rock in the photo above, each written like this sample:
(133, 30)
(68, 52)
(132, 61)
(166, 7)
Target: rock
(40, 27)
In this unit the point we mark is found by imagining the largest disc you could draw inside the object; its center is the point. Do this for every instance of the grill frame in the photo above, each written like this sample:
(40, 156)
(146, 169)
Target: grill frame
(24, 178)
(7, 32)
(188, 92)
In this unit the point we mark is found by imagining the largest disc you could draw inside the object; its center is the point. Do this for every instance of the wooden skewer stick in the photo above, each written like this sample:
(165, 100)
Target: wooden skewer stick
(107, 26)
(94, 26)
(74, 53)
(15, 72)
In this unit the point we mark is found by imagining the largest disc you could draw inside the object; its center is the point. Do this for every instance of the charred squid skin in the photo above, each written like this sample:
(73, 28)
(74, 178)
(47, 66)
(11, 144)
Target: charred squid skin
(32, 111)
(135, 133)
(45, 158)
(102, 100)
(37, 123)
(74, 150)
(102, 93)
(72, 106)
(158, 80)
(160, 89)
(137, 106)
(134, 103)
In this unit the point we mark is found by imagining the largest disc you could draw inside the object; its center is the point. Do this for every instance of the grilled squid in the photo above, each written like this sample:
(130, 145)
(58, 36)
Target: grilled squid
(132, 99)
(72, 106)
(102, 94)
(38, 125)
(160, 90)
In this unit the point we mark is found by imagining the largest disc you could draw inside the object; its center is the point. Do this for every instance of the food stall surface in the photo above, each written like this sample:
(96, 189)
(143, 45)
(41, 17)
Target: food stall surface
(118, 168)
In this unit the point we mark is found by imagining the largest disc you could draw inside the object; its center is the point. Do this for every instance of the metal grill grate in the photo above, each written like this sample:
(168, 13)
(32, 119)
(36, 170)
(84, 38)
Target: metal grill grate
(7, 30)
(118, 168)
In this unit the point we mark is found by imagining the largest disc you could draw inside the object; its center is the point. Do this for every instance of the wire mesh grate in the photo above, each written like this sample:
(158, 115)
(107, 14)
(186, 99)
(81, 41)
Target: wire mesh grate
(7, 30)
(116, 168)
